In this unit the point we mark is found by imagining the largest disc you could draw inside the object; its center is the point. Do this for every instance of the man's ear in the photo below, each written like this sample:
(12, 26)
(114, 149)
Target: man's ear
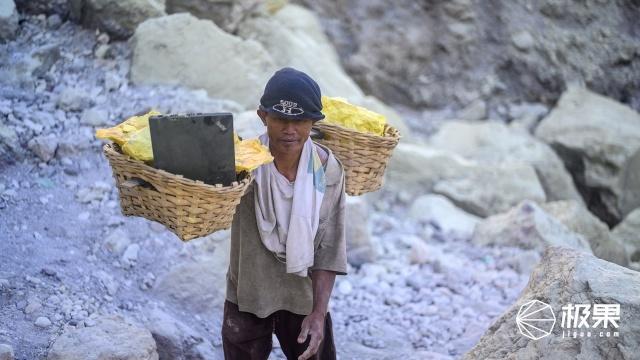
(263, 116)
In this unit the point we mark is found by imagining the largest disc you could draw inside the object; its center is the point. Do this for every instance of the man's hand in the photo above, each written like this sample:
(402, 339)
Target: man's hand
(312, 325)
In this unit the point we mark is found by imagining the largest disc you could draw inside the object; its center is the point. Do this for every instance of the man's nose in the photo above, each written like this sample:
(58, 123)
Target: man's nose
(289, 127)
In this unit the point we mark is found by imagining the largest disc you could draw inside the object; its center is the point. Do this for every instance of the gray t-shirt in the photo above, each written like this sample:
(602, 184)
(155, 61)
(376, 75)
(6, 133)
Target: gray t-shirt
(257, 281)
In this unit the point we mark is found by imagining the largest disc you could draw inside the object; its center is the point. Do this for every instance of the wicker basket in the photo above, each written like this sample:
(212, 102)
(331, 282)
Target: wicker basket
(364, 156)
(188, 208)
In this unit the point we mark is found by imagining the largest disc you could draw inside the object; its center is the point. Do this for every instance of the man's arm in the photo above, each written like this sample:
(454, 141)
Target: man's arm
(313, 324)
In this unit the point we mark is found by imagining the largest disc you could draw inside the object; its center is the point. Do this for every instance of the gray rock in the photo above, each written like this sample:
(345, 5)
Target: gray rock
(94, 117)
(529, 227)
(44, 57)
(23, 68)
(523, 40)
(420, 253)
(345, 287)
(524, 262)
(130, 255)
(476, 110)
(109, 283)
(34, 305)
(579, 220)
(174, 339)
(96, 192)
(626, 233)
(6, 352)
(157, 227)
(111, 338)
(77, 141)
(112, 82)
(101, 52)
(444, 213)
(148, 281)
(480, 189)
(525, 117)
(299, 28)
(495, 143)
(54, 21)
(604, 159)
(117, 241)
(44, 146)
(120, 18)
(8, 137)
(43, 322)
(8, 20)
(161, 46)
(484, 191)
(565, 276)
(197, 285)
(73, 99)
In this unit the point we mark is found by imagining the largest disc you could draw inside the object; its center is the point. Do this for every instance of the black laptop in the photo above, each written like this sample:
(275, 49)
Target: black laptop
(196, 146)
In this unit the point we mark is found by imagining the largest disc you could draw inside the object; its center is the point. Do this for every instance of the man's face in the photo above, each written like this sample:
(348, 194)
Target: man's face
(286, 136)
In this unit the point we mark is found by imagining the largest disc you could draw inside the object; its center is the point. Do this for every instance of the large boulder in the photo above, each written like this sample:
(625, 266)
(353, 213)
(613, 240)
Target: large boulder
(529, 227)
(487, 190)
(175, 339)
(181, 49)
(599, 142)
(481, 189)
(198, 285)
(294, 37)
(579, 220)
(119, 18)
(8, 20)
(112, 338)
(627, 233)
(563, 277)
(441, 211)
(494, 142)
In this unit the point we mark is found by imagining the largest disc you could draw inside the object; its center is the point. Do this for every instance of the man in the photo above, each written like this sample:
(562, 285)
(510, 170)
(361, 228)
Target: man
(287, 236)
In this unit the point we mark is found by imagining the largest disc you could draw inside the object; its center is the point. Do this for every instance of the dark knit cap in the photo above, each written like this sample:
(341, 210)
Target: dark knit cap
(292, 94)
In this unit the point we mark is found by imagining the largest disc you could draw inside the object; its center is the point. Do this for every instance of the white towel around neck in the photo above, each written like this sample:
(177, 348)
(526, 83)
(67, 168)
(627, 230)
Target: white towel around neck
(288, 213)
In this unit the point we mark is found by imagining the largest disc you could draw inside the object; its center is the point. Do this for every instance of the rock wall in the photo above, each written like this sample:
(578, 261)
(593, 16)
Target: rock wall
(438, 53)
(566, 276)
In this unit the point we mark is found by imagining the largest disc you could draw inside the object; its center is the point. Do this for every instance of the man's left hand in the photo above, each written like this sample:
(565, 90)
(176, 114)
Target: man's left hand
(312, 325)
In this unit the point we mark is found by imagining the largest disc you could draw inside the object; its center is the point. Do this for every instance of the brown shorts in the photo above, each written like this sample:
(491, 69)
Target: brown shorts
(248, 337)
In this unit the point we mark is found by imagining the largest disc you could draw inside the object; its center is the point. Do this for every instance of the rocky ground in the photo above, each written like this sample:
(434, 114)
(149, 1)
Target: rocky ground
(70, 258)
(438, 257)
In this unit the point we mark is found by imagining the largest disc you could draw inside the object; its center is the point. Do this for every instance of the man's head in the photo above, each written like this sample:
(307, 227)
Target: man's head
(291, 103)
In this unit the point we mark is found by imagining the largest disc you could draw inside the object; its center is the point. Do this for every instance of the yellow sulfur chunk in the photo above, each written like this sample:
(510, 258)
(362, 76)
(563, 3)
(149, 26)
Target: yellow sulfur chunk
(250, 154)
(134, 136)
(138, 146)
(340, 112)
(123, 131)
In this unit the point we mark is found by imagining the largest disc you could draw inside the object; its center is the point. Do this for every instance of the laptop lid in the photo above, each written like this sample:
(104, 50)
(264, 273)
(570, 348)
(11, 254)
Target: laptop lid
(196, 146)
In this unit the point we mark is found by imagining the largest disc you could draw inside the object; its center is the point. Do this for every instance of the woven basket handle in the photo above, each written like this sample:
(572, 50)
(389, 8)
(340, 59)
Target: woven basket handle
(316, 134)
(133, 182)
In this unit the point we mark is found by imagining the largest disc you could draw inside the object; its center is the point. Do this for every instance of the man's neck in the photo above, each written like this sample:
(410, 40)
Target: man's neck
(287, 163)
